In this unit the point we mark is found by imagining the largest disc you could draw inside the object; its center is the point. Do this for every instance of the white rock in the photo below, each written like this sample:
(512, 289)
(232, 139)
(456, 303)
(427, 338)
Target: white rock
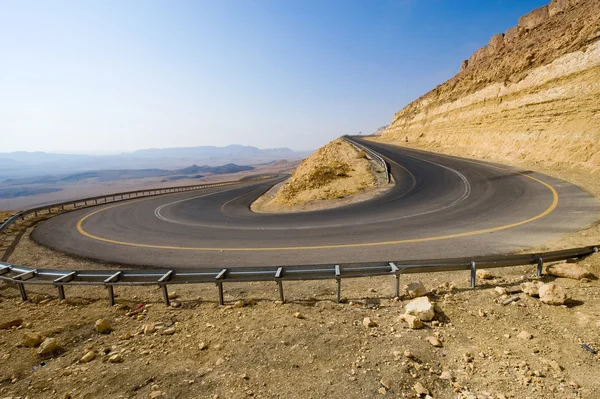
(524, 335)
(422, 308)
(568, 270)
(484, 274)
(116, 358)
(420, 389)
(148, 328)
(531, 288)
(552, 294)
(367, 322)
(415, 289)
(434, 341)
(413, 321)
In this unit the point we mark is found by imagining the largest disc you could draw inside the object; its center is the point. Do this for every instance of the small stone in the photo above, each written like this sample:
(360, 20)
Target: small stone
(434, 341)
(467, 357)
(148, 328)
(126, 336)
(240, 304)
(169, 331)
(524, 335)
(103, 326)
(382, 391)
(48, 346)
(203, 346)
(31, 340)
(482, 313)
(413, 321)
(552, 294)
(156, 394)
(385, 382)
(116, 358)
(368, 323)
(175, 304)
(447, 375)
(45, 301)
(421, 308)
(298, 315)
(420, 389)
(500, 290)
(554, 365)
(88, 357)
(415, 289)
(484, 274)
(173, 295)
(409, 354)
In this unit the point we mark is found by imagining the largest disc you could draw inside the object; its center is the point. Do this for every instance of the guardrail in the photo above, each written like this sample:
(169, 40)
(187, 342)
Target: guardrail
(22, 275)
(374, 155)
(104, 199)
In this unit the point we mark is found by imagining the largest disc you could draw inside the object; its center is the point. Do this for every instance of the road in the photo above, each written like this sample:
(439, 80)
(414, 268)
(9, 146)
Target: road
(440, 207)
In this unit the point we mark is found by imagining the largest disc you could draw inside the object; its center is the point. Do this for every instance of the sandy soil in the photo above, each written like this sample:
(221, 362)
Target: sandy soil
(309, 347)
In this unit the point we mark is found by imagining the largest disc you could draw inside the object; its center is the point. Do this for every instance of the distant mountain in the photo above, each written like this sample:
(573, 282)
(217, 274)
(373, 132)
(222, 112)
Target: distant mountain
(26, 164)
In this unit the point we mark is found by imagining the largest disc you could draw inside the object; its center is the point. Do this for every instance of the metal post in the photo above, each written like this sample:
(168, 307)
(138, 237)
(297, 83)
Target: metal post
(397, 285)
(61, 292)
(35, 213)
(165, 293)
(22, 291)
(220, 287)
(280, 286)
(540, 266)
(473, 274)
(111, 295)
(95, 201)
(339, 283)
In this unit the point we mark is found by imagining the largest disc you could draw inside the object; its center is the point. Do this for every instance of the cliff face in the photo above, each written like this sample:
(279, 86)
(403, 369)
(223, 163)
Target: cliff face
(532, 93)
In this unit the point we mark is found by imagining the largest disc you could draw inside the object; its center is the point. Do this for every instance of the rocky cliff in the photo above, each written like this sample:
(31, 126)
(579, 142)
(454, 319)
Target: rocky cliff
(532, 93)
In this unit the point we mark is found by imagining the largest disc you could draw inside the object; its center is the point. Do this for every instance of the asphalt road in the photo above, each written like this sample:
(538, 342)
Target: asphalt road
(440, 207)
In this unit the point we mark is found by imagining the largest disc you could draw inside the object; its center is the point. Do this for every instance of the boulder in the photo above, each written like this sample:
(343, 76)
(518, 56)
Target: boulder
(31, 340)
(568, 270)
(496, 43)
(552, 294)
(421, 308)
(511, 34)
(415, 289)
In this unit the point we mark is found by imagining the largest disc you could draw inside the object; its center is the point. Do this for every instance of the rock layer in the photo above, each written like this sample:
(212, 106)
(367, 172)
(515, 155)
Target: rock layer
(529, 94)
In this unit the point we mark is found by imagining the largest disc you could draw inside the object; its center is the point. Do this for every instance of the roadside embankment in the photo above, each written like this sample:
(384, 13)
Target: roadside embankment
(336, 174)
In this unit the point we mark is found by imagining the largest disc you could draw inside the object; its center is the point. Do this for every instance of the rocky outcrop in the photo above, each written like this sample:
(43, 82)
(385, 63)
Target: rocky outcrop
(528, 95)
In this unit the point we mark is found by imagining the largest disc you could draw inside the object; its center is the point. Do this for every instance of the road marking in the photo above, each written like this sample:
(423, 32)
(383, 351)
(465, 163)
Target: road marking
(546, 212)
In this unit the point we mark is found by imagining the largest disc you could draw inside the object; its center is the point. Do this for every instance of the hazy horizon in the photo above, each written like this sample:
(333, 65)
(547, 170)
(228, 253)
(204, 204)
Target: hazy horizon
(83, 77)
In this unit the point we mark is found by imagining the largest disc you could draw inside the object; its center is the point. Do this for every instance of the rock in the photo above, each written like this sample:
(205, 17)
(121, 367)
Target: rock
(88, 357)
(169, 331)
(367, 322)
(103, 326)
(524, 335)
(534, 18)
(552, 294)
(422, 308)
(554, 365)
(385, 382)
(467, 357)
(175, 304)
(420, 389)
(10, 324)
(298, 315)
(482, 273)
(156, 394)
(413, 321)
(434, 341)
(148, 328)
(500, 290)
(568, 270)
(415, 289)
(203, 346)
(240, 304)
(447, 375)
(48, 346)
(173, 295)
(31, 340)
(116, 358)
(382, 391)
(531, 288)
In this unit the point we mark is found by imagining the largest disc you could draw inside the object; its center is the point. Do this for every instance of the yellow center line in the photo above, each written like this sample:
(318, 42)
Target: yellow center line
(546, 212)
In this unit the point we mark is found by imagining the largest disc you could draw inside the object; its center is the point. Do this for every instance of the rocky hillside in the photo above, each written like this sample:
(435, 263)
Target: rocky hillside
(530, 94)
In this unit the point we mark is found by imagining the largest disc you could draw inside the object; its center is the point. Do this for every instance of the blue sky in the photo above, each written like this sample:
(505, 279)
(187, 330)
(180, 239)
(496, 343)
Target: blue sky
(111, 76)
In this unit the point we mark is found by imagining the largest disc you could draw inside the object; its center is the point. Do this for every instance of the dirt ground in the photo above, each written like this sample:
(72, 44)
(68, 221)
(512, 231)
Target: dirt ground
(309, 347)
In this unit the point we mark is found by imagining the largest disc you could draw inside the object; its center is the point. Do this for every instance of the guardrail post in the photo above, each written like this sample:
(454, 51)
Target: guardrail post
(111, 295)
(397, 278)
(162, 283)
(219, 283)
(338, 277)
(473, 274)
(22, 291)
(278, 275)
(61, 292)
(165, 294)
(540, 266)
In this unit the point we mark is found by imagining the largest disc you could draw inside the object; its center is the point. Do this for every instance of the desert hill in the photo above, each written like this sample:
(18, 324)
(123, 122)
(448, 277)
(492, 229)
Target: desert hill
(530, 94)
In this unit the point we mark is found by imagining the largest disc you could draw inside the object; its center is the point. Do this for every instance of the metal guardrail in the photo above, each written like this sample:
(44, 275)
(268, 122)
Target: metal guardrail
(104, 199)
(374, 155)
(22, 275)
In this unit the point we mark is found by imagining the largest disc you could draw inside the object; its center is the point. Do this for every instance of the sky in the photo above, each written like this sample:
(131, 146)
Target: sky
(111, 76)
